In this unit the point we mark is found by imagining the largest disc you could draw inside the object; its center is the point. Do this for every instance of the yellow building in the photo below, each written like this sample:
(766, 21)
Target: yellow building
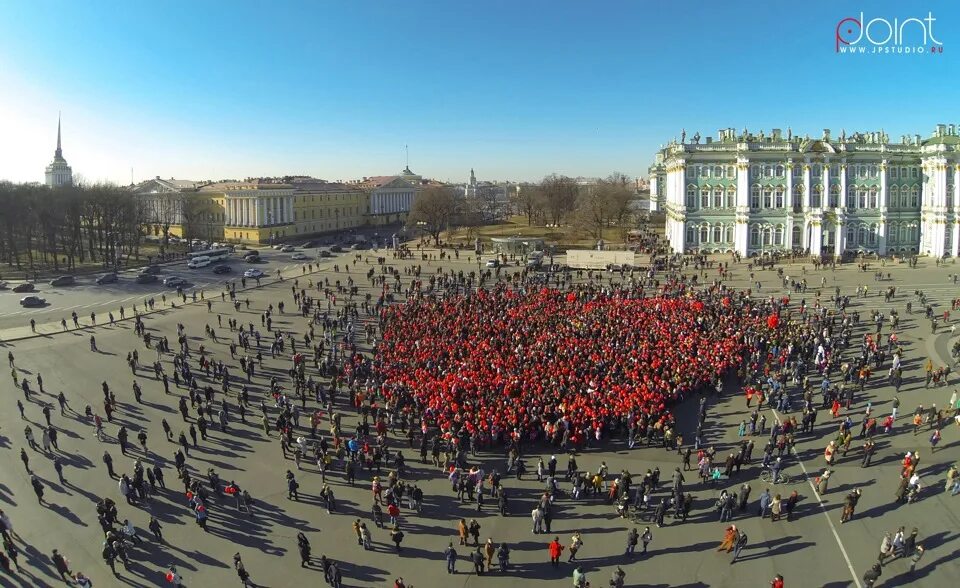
(320, 207)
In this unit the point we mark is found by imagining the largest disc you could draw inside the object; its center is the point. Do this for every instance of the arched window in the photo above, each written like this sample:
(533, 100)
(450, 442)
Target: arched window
(767, 198)
(796, 238)
(797, 196)
(768, 171)
(851, 236)
(893, 196)
(691, 235)
(873, 198)
(873, 171)
(861, 198)
(704, 233)
(731, 197)
(778, 197)
(862, 235)
(691, 196)
(718, 172)
(705, 197)
(728, 238)
(755, 197)
(915, 197)
(767, 235)
(892, 236)
(816, 196)
(705, 170)
(873, 235)
(718, 233)
(754, 236)
(780, 171)
(797, 170)
(834, 196)
(861, 171)
(754, 171)
(778, 235)
(718, 197)
(913, 233)
(730, 172)
(815, 170)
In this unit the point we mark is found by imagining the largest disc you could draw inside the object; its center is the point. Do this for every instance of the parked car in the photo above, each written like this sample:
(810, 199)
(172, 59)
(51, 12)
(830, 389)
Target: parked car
(253, 273)
(63, 281)
(107, 279)
(174, 281)
(32, 301)
(299, 256)
(146, 279)
(24, 287)
(336, 249)
(324, 253)
(151, 269)
(222, 269)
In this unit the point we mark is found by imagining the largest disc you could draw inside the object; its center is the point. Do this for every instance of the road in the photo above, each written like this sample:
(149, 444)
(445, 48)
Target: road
(813, 550)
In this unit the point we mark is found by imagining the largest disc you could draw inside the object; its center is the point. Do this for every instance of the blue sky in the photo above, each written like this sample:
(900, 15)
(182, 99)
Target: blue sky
(514, 88)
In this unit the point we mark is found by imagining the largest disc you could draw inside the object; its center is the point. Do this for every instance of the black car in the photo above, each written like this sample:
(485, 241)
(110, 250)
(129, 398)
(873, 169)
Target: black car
(146, 278)
(32, 301)
(151, 269)
(107, 279)
(309, 245)
(222, 269)
(25, 287)
(361, 246)
(324, 253)
(63, 281)
(336, 249)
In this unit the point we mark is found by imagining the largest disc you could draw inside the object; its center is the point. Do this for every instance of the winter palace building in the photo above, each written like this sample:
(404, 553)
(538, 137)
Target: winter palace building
(757, 193)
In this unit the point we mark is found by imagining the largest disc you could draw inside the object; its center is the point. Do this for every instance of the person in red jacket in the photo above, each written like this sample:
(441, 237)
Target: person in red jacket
(555, 550)
(777, 581)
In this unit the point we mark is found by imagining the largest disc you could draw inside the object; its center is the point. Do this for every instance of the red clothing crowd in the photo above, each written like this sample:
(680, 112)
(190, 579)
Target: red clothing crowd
(504, 362)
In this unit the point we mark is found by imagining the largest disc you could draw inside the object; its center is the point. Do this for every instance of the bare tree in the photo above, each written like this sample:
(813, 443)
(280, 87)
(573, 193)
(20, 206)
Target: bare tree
(529, 201)
(434, 208)
(604, 204)
(559, 195)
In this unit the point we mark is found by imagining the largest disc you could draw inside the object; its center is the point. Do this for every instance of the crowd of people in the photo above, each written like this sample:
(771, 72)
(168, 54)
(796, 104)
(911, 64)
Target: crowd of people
(463, 363)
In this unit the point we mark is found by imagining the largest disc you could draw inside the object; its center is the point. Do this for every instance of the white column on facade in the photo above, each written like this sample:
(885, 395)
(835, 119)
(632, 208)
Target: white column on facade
(806, 184)
(788, 233)
(275, 209)
(741, 235)
(825, 177)
(843, 185)
(882, 225)
(234, 212)
(789, 196)
(290, 216)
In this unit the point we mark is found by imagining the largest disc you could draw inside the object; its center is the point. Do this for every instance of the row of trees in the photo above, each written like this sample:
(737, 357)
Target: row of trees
(560, 199)
(557, 200)
(60, 228)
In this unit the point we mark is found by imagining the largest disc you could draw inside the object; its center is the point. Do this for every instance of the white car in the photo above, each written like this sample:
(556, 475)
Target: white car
(253, 273)
(299, 256)
(173, 282)
(494, 263)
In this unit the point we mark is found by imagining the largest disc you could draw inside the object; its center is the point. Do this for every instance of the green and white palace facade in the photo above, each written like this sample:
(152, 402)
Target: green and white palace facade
(757, 194)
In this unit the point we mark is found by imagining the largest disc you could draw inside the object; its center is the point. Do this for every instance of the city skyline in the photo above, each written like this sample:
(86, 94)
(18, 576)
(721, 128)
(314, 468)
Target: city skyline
(515, 92)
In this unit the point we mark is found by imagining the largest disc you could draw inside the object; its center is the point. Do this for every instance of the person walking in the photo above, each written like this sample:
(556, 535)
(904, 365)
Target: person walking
(575, 543)
(738, 546)
(729, 539)
(633, 538)
(62, 566)
(556, 549)
(886, 548)
(646, 537)
(871, 576)
(450, 554)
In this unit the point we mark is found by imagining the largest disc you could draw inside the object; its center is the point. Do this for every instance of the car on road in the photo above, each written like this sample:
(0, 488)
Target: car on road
(146, 279)
(29, 301)
(107, 279)
(299, 256)
(174, 281)
(493, 263)
(361, 246)
(3, 285)
(278, 247)
(336, 249)
(324, 253)
(24, 287)
(288, 249)
(151, 269)
(198, 262)
(309, 245)
(63, 281)
(253, 273)
(222, 269)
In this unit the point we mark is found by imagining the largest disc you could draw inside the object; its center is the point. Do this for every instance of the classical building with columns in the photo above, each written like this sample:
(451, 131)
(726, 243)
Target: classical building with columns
(756, 193)
(391, 197)
(256, 210)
